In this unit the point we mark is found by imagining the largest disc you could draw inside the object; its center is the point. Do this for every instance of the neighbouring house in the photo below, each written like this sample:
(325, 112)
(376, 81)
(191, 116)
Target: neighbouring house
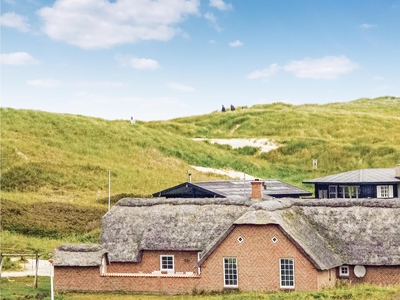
(365, 183)
(182, 245)
(272, 188)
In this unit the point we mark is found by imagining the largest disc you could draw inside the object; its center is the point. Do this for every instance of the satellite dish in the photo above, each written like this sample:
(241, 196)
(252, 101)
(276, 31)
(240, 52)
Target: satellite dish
(359, 271)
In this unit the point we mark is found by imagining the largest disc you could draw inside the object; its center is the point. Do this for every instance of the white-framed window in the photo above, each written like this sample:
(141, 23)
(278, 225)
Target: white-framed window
(384, 191)
(350, 191)
(167, 263)
(286, 266)
(344, 271)
(230, 272)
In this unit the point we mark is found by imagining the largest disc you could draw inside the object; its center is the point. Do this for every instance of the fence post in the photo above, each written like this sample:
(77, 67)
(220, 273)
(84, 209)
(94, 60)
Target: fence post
(36, 271)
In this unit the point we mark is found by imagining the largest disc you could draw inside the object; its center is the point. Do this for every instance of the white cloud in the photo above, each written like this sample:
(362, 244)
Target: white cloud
(137, 63)
(18, 58)
(98, 84)
(11, 2)
(44, 83)
(180, 87)
(264, 73)
(236, 43)
(93, 24)
(221, 5)
(378, 78)
(328, 67)
(144, 63)
(212, 41)
(16, 21)
(367, 26)
(213, 19)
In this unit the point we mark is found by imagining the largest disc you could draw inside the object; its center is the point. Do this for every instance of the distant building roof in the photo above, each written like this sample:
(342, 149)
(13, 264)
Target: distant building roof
(225, 188)
(387, 175)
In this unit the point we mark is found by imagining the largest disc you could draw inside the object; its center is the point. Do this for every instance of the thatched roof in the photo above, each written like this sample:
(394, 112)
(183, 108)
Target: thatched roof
(133, 225)
(329, 232)
(78, 255)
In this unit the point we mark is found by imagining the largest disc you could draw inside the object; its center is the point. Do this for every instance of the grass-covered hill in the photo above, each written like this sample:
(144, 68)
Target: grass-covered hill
(54, 167)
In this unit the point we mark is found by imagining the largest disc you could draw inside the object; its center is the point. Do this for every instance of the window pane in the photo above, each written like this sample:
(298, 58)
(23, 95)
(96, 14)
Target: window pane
(230, 271)
(287, 272)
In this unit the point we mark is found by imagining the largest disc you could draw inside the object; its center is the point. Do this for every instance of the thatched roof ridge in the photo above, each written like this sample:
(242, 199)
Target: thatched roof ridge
(138, 202)
(81, 255)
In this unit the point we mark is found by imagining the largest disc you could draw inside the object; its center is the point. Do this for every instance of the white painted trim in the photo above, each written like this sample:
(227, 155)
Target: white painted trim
(173, 263)
(237, 272)
(342, 273)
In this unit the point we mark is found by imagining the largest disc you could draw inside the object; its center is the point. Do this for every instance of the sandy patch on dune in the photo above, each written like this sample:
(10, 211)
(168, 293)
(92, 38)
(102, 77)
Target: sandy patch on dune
(265, 145)
(231, 173)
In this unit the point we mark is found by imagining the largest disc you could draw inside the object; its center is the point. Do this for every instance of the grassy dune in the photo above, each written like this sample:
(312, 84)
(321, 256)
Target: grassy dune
(54, 167)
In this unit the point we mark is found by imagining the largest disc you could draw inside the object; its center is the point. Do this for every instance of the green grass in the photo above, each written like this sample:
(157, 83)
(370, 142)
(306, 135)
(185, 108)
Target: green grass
(54, 167)
(22, 288)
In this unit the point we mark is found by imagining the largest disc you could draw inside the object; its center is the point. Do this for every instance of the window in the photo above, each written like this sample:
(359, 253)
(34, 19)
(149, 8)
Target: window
(332, 191)
(287, 272)
(349, 191)
(384, 191)
(344, 271)
(230, 272)
(166, 262)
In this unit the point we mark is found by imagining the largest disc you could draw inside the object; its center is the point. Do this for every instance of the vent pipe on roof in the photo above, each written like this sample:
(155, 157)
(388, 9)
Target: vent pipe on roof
(190, 177)
(256, 189)
(397, 170)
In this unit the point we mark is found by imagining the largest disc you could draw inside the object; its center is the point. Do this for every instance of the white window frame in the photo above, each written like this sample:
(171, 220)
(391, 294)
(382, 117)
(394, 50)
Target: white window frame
(346, 273)
(384, 191)
(227, 269)
(282, 262)
(161, 263)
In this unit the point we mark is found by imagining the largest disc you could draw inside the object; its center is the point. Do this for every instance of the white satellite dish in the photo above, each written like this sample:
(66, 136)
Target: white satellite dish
(359, 271)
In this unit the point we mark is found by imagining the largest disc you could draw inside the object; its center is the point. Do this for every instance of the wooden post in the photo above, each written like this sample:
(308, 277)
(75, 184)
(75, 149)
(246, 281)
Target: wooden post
(1, 262)
(36, 271)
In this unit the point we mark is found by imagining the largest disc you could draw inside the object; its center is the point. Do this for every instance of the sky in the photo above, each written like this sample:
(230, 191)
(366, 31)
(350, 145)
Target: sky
(162, 59)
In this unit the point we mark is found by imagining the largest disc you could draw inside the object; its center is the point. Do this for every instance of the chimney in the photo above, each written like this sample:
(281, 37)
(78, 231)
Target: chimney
(256, 189)
(397, 171)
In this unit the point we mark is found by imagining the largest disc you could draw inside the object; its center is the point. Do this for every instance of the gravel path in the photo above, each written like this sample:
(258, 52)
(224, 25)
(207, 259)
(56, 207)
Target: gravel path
(29, 269)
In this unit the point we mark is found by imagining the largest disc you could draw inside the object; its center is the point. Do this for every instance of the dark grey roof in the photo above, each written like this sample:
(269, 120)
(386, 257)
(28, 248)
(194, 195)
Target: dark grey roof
(329, 232)
(82, 255)
(360, 176)
(226, 188)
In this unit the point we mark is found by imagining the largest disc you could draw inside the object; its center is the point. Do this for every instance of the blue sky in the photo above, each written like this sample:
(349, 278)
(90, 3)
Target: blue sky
(161, 59)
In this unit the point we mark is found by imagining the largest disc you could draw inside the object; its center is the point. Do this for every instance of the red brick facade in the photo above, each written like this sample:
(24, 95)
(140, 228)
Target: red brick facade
(257, 248)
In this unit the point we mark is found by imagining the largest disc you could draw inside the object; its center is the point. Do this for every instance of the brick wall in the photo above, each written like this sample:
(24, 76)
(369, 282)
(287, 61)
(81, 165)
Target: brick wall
(89, 279)
(258, 268)
(380, 275)
(184, 262)
(258, 261)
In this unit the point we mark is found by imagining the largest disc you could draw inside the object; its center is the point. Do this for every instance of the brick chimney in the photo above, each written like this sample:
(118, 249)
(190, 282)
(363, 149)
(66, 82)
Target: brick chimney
(256, 190)
(397, 171)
